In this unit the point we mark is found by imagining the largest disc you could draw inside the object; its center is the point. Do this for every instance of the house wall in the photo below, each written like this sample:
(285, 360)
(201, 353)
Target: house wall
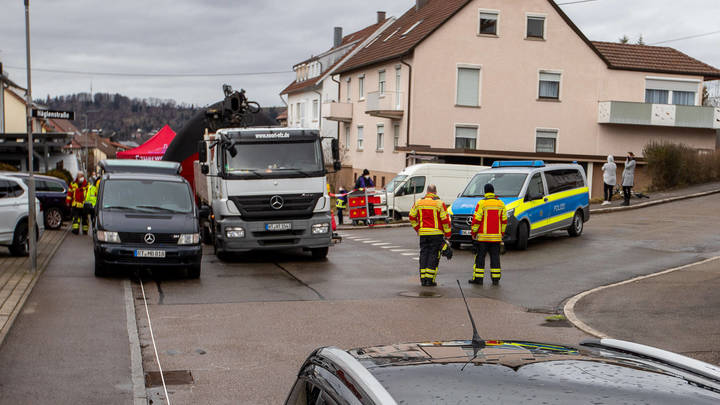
(15, 113)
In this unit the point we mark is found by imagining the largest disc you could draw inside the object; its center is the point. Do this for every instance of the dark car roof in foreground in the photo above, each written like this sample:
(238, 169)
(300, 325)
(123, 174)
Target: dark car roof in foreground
(519, 372)
(144, 176)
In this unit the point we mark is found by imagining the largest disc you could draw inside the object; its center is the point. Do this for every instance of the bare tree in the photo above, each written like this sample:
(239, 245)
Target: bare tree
(624, 39)
(640, 40)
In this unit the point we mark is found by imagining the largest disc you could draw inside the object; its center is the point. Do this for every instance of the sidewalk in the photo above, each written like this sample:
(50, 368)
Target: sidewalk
(675, 310)
(16, 281)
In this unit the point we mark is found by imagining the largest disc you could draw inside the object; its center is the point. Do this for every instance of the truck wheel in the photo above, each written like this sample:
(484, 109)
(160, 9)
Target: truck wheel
(576, 228)
(194, 271)
(53, 218)
(21, 242)
(522, 236)
(319, 253)
(219, 253)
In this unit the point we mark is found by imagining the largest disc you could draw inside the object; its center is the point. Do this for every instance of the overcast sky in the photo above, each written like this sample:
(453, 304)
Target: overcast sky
(260, 36)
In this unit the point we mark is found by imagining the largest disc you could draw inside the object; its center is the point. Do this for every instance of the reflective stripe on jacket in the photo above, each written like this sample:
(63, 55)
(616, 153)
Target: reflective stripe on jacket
(490, 219)
(76, 194)
(429, 216)
(91, 194)
(341, 203)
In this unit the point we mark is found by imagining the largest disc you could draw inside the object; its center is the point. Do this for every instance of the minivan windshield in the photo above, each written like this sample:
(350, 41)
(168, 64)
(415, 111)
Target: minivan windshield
(147, 196)
(395, 183)
(505, 184)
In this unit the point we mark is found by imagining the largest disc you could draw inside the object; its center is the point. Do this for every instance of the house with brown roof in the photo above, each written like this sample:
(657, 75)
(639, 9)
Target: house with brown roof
(474, 81)
(314, 84)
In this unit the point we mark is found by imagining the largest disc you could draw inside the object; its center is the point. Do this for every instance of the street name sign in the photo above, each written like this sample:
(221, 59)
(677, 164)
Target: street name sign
(63, 115)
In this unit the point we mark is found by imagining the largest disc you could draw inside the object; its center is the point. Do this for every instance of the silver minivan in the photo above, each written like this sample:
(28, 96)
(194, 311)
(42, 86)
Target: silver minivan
(14, 215)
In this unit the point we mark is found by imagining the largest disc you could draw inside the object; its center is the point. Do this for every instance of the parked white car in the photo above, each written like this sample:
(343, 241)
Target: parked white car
(411, 184)
(14, 215)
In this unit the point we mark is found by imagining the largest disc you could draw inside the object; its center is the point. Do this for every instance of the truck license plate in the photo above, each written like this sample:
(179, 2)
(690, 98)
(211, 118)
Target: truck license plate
(465, 232)
(278, 227)
(150, 253)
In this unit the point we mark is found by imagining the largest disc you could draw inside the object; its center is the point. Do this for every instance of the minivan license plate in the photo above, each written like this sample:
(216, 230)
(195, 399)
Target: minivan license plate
(278, 227)
(150, 253)
(465, 232)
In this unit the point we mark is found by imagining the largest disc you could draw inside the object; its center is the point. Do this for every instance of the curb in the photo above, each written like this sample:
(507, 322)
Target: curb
(394, 225)
(651, 203)
(21, 302)
(569, 308)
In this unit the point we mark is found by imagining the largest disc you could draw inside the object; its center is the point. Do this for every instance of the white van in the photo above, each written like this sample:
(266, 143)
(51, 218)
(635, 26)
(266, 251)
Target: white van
(411, 184)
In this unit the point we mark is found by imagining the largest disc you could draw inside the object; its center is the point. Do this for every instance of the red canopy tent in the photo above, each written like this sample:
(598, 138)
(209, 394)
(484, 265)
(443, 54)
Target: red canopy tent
(153, 149)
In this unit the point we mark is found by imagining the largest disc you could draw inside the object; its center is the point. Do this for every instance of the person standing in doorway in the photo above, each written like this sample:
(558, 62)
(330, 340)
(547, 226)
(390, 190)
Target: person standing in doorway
(609, 178)
(628, 177)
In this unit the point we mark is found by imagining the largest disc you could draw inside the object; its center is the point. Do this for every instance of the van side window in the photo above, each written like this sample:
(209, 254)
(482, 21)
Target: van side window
(14, 189)
(535, 188)
(563, 180)
(415, 185)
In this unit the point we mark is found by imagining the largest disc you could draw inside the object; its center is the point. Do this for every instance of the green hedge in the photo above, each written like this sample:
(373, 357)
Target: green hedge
(672, 165)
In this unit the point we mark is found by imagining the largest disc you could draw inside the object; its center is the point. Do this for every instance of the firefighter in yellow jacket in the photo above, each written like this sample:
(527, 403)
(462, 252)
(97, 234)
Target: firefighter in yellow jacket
(430, 219)
(488, 228)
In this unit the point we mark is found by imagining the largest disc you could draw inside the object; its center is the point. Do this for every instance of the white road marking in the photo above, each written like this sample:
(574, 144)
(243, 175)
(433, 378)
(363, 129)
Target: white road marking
(390, 247)
(399, 250)
(369, 241)
(381, 244)
(152, 337)
(136, 369)
(409, 254)
(416, 259)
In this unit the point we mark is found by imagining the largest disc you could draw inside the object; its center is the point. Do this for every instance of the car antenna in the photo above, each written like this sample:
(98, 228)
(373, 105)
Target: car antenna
(477, 342)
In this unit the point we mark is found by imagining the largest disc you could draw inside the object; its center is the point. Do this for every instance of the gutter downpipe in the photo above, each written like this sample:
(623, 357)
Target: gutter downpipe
(332, 77)
(409, 91)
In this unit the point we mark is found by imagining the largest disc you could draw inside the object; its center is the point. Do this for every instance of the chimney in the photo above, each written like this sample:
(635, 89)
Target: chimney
(420, 4)
(337, 37)
(380, 16)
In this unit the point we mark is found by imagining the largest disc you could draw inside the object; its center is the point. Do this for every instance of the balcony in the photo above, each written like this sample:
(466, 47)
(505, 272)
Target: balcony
(664, 115)
(386, 105)
(335, 111)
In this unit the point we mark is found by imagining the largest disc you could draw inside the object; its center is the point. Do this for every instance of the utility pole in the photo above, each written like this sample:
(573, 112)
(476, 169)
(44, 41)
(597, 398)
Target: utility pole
(32, 236)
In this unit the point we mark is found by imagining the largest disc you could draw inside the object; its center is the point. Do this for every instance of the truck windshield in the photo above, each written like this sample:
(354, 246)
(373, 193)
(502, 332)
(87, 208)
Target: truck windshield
(260, 159)
(395, 183)
(505, 184)
(147, 196)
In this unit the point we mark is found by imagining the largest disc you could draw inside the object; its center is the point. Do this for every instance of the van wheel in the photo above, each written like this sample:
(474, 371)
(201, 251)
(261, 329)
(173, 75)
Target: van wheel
(522, 236)
(319, 253)
(21, 242)
(194, 271)
(577, 226)
(53, 218)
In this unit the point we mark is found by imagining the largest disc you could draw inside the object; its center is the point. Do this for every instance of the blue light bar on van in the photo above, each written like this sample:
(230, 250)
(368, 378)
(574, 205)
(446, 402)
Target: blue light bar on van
(518, 163)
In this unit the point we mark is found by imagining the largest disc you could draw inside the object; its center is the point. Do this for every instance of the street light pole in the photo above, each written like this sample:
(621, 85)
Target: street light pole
(31, 180)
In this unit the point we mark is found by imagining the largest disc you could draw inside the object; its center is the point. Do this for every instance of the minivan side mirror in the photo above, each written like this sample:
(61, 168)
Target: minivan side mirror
(202, 151)
(204, 168)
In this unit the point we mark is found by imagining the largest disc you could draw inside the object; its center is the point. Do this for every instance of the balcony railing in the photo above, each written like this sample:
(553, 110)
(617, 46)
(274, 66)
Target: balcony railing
(335, 111)
(389, 104)
(665, 115)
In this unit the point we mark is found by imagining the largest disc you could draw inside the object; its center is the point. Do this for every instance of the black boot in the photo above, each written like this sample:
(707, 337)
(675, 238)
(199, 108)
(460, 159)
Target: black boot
(496, 281)
(477, 281)
(423, 282)
(430, 283)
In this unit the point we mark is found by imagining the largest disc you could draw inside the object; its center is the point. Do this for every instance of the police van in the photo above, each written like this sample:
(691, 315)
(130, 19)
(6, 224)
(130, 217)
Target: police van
(539, 199)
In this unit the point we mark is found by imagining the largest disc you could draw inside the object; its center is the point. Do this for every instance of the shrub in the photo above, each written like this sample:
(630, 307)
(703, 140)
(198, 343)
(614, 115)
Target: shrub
(60, 174)
(672, 165)
(4, 167)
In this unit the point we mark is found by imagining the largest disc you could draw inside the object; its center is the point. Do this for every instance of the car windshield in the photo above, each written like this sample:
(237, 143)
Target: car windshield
(395, 183)
(259, 159)
(505, 184)
(147, 196)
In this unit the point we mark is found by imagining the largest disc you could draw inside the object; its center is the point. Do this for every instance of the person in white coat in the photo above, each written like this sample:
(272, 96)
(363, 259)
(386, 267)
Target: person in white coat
(628, 177)
(609, 178)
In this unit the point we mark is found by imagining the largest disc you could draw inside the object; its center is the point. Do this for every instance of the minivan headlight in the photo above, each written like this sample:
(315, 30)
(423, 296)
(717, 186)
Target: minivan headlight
(189, 239)
(108, 237)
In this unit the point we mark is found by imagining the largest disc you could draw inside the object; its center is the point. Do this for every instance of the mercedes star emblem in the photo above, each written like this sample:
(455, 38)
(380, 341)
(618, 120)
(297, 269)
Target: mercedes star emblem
(276, 202)
(469, 221)
(149, 238)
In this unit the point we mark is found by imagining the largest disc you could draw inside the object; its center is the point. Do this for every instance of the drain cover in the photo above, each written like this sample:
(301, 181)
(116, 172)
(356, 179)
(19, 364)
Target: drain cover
(420, 294)
(175, 377)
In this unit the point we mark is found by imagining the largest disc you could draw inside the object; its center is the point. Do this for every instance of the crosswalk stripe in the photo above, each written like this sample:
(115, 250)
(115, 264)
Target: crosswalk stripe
(409, 254)
(390, 247)
(381, 244)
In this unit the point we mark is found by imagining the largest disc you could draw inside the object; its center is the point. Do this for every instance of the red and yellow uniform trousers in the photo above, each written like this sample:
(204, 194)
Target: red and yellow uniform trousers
(76, 200)
(430, 219)
(488, 228)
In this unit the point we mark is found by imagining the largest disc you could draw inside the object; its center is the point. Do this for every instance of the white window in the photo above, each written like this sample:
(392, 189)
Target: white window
(396, 136)
(535, 26)
(465, 137)
(381, 82)
(380, 137)
(659, 90)
(361, 87)
(347, 136)
(468, 86)
(348, 90)
(546, 140)
(302, 114)
(316, 110)
(291, 117)
(298, 114)
(360, 137)
(549, 87)
(488, 22)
